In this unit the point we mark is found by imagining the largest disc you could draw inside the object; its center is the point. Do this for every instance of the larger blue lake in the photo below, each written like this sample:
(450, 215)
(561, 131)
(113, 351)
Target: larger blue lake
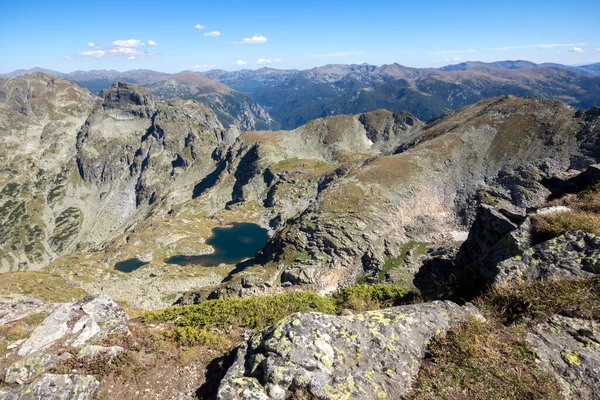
(232, 244)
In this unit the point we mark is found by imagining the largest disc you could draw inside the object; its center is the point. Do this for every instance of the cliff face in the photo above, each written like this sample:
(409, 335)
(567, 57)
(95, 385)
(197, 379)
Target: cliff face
(78, 169)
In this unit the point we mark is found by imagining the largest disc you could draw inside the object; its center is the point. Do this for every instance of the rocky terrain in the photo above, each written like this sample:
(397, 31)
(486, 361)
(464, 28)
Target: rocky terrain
(405, 259)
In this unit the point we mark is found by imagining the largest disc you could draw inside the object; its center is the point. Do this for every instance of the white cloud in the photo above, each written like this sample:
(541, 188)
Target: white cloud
(256, 39)
(94, 53)
(539, 46)
(267, 60)
(67, 58)
(576, 50)
(204, 66)
(213, 34)
(241, 62)
(338, 54)
(456, 59)
(128, 49)
(448, 52)
(198, 26)
(128, 43)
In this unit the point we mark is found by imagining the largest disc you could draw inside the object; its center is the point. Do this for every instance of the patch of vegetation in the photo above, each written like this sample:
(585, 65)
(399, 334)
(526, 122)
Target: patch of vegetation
(363, 297)
(194, 324)
(414, 248)
(549, 226)
(478, 360)
(253, 312)
(41, 285)
(541, 299)
(584, 215)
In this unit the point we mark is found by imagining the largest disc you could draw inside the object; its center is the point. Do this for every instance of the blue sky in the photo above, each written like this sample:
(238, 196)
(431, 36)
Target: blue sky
(67, 35)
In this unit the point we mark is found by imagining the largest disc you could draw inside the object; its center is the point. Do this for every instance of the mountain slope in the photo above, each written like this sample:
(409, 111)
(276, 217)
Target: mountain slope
(231, 107)
(296, 97)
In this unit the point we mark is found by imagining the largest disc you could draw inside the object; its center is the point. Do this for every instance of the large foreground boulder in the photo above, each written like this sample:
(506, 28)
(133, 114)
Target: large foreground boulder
(372, 355)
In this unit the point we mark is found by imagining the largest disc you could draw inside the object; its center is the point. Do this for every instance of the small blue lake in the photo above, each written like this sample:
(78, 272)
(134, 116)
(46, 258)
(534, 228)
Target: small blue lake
(232, 244)
(129, 265)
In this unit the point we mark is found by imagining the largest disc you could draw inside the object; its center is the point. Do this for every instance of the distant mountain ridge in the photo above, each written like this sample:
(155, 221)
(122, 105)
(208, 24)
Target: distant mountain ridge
(269, 98)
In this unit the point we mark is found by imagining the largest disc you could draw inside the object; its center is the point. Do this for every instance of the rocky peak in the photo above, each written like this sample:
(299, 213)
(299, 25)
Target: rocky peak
(125, 96)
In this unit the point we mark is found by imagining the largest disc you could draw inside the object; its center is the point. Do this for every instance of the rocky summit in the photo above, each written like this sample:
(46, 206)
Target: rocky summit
(166, 240)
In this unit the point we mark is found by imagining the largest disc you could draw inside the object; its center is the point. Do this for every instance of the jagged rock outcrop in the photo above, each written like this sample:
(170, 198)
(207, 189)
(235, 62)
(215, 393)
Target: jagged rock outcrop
(371, 355)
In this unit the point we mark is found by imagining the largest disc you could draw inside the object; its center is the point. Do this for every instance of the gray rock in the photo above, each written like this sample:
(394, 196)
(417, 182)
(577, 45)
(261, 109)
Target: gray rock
(29, 367)
(93, 350)
(570, 349)
(15, 310)
(55, 387)
(574, 254)
(78, 324)
(371, 355)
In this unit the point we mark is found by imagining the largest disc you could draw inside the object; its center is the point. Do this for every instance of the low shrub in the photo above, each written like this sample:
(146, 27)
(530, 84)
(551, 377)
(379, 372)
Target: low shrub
(253, 312)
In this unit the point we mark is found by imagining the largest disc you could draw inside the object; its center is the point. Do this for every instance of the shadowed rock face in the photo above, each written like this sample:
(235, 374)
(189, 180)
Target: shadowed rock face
(369, 356)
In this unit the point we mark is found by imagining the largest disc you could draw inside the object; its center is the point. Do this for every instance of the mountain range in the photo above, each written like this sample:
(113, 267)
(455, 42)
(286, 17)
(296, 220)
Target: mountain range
(455, 252)
(268, 98)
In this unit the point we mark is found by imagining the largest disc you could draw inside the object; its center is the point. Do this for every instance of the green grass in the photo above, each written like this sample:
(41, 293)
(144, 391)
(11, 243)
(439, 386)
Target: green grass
(541, 299)
(584, 215)
(478, 360)
(492, 360)
(363, 297)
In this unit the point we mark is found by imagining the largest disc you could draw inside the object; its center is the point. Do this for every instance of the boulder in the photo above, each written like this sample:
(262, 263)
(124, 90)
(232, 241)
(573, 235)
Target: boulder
(569, 348)
(77, 324)
(574, 254)
(55, 387)
(372, 355)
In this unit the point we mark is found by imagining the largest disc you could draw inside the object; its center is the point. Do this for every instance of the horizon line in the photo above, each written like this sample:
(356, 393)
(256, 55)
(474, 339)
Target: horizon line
(296, 69)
